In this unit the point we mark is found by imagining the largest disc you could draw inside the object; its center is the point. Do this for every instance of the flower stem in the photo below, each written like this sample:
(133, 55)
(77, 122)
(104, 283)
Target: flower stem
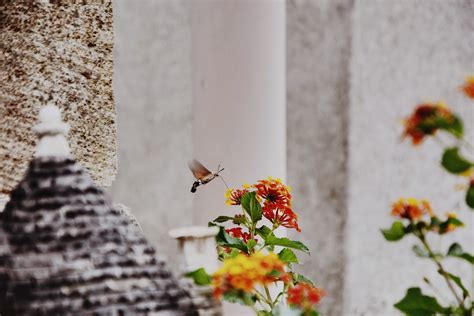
(254, 309)
(264, 298)
(441, 269)
(461, 139)
(435, 290)
(269, 297)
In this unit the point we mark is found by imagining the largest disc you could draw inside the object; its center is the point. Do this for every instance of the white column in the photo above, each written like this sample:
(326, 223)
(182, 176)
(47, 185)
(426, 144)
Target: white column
(238, 58)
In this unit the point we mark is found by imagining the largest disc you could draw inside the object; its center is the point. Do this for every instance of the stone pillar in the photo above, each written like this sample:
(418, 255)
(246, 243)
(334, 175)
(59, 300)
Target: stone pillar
(318, 49)
(404, 53)
(197, 249)
(238, 58)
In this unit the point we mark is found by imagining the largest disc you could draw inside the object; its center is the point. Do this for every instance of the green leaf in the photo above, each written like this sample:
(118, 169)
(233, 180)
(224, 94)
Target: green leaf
(470, 196)
(250, 244)
(252, 206)
(420, 252)
(240, 297)
(263, 231)
(272, 240)
(444, 227)
(455, 221)
(225, 240)
(416, 304)
(222, 219)
(245, 201)
(297, 278)
(453, 162)
(394, 233)
(238, 220)
(223, 255)
(458, 282)
(287, 256)
(199, 276)
(455, 127)
(455, 250)
(264, 313)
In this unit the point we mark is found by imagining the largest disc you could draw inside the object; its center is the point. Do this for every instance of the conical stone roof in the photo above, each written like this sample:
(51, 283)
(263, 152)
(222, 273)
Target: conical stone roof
(65, 250)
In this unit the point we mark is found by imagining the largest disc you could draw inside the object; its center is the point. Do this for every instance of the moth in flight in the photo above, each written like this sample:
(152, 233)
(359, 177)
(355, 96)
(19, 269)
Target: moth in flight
(202, 174)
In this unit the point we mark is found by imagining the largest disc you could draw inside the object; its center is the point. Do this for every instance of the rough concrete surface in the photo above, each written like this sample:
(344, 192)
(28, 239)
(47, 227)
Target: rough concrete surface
(404, 52)
(58, 53)
(318, 49)
(152, 86)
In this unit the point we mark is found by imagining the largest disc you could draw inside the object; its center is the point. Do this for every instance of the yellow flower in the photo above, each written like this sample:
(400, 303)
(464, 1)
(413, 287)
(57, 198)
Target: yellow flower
(411, 208)
(245, 272)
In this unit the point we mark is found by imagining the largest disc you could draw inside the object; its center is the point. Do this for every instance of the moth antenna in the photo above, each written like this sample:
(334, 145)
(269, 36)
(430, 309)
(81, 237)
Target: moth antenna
(220, 177)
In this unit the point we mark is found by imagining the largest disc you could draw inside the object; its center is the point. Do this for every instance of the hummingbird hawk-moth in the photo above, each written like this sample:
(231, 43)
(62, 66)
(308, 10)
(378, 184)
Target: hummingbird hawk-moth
(202, 174)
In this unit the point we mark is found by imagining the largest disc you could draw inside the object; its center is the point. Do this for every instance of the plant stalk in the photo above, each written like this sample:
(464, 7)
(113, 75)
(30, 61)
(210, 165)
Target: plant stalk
(441, 269)
(269, 297)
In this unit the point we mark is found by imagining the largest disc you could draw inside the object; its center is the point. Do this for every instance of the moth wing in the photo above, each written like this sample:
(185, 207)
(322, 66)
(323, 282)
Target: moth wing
(198, 169)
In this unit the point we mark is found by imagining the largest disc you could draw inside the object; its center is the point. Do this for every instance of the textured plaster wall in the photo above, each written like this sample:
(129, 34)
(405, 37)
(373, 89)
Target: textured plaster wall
(152, 87)
(318, 51)
(43, 61)
(404, 52)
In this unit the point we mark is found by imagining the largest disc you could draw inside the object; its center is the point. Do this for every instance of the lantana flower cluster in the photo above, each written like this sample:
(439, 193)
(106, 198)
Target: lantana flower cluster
(416, 217)
(275, 198)
(245, 272)
(427, 119)
(420, 215)
(248, 249)
(238, 233)
(468, 87)
(304, 296)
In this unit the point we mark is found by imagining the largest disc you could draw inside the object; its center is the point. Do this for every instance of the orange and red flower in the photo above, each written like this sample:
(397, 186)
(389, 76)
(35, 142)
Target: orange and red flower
(411, 209)
(273, 192)
(426, 120)
(238, 233)
(275, 198)
(245, 272)
(277, 203)
(234, 196)
(283, 216)
(305, 296)
(468, 87)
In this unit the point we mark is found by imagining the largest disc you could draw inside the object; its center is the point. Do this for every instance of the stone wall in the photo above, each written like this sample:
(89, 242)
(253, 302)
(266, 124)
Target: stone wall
(43, 61)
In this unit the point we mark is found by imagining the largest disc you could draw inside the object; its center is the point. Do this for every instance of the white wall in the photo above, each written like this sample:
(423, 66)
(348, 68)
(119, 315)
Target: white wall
(403, 53)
